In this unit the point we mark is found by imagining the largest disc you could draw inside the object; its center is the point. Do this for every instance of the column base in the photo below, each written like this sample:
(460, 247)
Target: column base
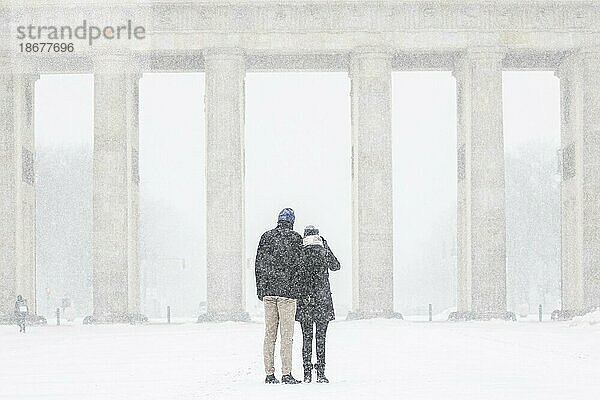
(133, 318)
(473, 316)
(234, 316)
(31, 320)
(354, 315)
(567, 315)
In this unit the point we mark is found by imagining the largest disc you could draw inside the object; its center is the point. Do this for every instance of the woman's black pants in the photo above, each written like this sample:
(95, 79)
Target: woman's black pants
(307, 335)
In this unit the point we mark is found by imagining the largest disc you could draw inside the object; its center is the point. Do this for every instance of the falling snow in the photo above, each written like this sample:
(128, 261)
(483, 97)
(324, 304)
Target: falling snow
(448, 153)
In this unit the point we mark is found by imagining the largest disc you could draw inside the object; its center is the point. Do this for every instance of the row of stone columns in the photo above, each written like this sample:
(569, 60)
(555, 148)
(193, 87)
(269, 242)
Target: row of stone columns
(481, 234)
(116, 275)
(481, 257)
(116, 192)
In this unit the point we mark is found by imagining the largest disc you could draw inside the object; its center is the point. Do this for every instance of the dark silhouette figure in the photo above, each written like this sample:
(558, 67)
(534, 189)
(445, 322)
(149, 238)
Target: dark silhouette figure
(315, 304)
(277, 260)
(21, 311)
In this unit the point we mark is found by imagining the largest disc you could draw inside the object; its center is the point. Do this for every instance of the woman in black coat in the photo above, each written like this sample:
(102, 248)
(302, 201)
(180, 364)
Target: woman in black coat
(315, 306)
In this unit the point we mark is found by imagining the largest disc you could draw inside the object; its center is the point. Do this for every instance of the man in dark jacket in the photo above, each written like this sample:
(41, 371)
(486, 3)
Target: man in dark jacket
(277, 260)
(315, 305)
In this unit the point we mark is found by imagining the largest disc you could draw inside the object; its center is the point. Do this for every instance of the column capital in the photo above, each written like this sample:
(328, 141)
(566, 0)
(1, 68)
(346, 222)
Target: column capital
(572, 59)
(566, 64)
(17, 65)
(7, 62)
(477, 54)
(590, 51)
(31, 77)
(372, 52)
(590, 58)
(26, 69)
(5, 56)
(116, 62)
(223, 53)
(370, 61)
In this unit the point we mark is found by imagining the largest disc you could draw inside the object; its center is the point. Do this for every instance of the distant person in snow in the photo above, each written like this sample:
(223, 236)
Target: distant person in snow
(21, 311)
(315, 305)
(277, 260)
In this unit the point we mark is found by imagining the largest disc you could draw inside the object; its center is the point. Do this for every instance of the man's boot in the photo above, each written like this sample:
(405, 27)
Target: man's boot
(271, 379)
(289, 379)
(321, 378)
(308, 373)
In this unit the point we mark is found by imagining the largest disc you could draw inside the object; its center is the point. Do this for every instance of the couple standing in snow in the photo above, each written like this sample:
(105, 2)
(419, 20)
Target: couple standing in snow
(292, 281)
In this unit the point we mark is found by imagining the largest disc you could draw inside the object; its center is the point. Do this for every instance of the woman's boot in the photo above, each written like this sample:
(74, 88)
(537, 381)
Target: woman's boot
(308, 373)
(321, 378)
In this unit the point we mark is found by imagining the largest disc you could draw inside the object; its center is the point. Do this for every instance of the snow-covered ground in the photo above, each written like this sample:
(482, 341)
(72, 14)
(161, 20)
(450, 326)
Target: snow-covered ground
(378, 359)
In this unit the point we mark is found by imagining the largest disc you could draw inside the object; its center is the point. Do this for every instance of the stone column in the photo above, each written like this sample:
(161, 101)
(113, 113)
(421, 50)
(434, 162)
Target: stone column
(481, 197)
(115, 200)
(463, 254)
(571, 193)
(579, 74)
(591, 178)
(372, 198)
(224, 106)
(17, 189)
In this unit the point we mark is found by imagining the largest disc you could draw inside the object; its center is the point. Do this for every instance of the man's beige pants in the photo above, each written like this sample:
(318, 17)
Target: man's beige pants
(279, 311)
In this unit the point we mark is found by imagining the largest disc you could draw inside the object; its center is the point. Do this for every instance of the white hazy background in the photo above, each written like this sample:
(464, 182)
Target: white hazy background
(298, 150)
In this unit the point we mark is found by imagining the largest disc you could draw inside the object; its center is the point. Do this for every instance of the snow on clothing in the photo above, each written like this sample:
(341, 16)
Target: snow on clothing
(320, 335)
(315, 305)
(314, 301)
(277, 259)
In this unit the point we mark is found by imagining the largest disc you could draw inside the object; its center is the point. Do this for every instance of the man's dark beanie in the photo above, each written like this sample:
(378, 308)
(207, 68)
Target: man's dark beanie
(287, 214)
